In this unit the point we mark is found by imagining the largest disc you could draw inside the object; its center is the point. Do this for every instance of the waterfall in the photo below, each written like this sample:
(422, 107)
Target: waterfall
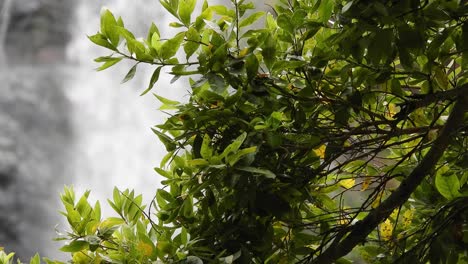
(64, 122)
(114, 143)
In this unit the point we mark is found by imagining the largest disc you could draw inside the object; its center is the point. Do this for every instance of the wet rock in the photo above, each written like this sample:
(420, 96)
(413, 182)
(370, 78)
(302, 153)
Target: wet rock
(35, 130)
(35, 138)
(37, 28)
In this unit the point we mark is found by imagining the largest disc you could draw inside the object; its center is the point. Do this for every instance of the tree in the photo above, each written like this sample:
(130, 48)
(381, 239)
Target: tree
(334, 132)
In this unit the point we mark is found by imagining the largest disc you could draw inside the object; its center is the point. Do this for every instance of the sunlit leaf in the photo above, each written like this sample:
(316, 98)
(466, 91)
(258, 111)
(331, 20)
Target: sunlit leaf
(186, 8)
(320, 152)
(348, 183)
(386, 230)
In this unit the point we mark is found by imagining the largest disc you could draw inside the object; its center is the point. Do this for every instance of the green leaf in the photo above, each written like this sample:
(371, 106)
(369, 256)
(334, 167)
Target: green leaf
(187, 207)
(434, 47)
(234, 146)
(75, 246)
(264, 172)
(213, 26)
(165, 195)
(108, 23)
(125, 33)
(286, 65)
(104, 59)
(284, 22)
(165, 174)
(325, 10)
(198, 162)
(139, 49)
(153, 29)
(448, 186)
(192, 43)
(109, 63)
(167, 141)
(464, 44)
(35, 260)
(171, 6)
(93, 240)
(100, 40)
(130, 74)
(206, 151)
(251, 66)
(166, 101)
(269, 51)
(441, 78)
(380, 47)
(186, 8)
(251, 19)
(396, 88)
(154, 79)
(170, 47)
(303, 139)
(298, 18)
(234, 158)
(176, 25)
(409, 37)
(156, 43)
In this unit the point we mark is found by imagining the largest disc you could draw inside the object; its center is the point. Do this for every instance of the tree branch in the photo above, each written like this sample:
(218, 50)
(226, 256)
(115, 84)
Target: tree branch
(427, 99)
(362, 229)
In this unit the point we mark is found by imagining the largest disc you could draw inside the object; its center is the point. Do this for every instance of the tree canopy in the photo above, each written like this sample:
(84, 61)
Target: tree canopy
(317, 132)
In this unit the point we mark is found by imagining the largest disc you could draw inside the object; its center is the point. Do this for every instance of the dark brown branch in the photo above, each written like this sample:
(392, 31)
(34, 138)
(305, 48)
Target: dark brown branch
(427, 99)
(362, 229)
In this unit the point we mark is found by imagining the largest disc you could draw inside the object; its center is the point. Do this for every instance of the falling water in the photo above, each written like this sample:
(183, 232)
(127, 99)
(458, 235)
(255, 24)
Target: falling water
(68, 124)
(114, 143)
(61, 122)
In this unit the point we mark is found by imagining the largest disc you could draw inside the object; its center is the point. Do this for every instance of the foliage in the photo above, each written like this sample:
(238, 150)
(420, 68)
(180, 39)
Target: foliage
(333, 127)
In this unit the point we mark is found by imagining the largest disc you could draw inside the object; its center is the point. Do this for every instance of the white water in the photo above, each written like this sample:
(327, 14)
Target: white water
(114, 143)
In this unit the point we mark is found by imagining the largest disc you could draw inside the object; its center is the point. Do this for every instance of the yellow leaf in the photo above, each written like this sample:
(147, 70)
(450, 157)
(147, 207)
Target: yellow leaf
(164, 246)
(80, 258)
(386, 230)
(391, 110)
(145, 248)
(394, 214)
(348, 183)
(320, 152)
(408, 217)
(365, 184)
(377, 200)
(244, 52)
(343, 221)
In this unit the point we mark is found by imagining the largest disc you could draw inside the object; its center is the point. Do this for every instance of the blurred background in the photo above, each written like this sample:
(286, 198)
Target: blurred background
(63, 123)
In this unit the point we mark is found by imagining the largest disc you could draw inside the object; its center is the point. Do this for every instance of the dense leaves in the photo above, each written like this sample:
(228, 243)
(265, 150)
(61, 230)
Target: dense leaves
(334, 131)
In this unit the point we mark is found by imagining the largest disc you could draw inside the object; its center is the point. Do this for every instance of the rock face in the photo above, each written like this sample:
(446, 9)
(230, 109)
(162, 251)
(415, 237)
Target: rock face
(38, 30)
(35, 133)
